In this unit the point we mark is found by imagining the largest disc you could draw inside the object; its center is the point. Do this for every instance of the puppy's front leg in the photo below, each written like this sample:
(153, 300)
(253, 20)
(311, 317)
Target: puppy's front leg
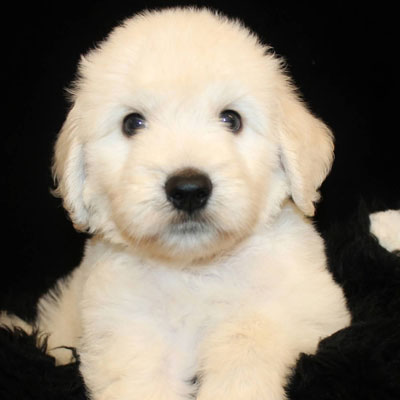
(133, 364)
(245, 359)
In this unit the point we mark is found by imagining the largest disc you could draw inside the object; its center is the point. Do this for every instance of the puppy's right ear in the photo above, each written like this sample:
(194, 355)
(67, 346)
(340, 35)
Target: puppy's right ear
(306, 150)
(69, 170)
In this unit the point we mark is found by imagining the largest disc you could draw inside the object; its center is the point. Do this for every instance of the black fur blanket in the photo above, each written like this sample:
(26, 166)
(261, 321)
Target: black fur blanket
(361, 362)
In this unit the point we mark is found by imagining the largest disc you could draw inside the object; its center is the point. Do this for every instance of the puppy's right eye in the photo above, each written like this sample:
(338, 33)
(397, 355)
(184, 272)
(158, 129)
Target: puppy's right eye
(232, 120)
(132, 123)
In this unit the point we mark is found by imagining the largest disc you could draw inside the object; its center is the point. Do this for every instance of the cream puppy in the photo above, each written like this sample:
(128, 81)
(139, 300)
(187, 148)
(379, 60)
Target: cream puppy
(191, 159)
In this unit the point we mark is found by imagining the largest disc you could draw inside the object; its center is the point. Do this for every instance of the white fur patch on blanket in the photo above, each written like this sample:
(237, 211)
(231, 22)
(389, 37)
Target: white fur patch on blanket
(385, 225)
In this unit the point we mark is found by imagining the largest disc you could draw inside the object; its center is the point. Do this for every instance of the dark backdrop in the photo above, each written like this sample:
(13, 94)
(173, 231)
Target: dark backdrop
(341, 56)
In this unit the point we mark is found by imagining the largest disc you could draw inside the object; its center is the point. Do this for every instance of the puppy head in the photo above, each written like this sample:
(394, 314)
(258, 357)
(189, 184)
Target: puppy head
(185, 134)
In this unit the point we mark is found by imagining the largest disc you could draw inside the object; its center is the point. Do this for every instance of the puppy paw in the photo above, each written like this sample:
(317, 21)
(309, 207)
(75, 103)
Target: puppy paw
(240, 389)
(128, 389)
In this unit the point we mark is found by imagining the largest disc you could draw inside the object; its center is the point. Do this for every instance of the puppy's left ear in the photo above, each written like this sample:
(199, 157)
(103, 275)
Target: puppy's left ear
(306, 150)
(69, 170)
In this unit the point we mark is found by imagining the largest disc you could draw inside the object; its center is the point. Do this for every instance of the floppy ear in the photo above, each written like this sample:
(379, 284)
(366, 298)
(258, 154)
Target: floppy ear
(306, 151)
(69, 171)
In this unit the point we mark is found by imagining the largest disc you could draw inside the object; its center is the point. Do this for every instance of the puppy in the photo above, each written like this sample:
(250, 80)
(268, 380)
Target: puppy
(190, 158)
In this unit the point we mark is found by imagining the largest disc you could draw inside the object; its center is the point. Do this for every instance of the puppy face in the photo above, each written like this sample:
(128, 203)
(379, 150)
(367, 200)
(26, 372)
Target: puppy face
(184, 136)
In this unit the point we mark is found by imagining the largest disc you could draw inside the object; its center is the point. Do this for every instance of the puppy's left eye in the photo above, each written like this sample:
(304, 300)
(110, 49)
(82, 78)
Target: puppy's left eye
(132, 123)
(232, 119)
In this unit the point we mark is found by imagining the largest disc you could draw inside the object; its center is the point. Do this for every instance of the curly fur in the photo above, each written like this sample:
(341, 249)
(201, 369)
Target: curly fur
(231, 295)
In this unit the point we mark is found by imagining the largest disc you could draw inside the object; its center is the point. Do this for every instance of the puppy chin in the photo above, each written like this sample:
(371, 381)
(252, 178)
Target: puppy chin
(181, 244)
(188, 242)
(189, 234)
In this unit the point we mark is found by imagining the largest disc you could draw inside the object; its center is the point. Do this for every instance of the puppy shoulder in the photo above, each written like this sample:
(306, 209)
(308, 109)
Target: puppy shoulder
(292, 237)
(294, 224)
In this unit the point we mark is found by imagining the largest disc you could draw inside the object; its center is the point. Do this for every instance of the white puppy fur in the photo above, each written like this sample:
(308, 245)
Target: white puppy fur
(232, 295)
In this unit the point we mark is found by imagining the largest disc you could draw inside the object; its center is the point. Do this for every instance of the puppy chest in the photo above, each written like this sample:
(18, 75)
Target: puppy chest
(188, 303)
(183, 304)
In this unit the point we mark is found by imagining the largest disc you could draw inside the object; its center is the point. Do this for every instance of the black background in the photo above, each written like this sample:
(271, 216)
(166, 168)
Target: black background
(342, 57)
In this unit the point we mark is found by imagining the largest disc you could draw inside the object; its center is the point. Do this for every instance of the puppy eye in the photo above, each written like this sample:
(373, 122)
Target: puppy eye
(232, 119)
(132, 123)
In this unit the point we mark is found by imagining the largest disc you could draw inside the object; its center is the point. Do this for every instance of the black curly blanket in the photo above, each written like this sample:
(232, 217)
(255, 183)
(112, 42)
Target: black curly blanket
(361, 362)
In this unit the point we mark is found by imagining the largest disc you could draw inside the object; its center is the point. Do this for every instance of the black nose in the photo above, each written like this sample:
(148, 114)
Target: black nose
(188, 190)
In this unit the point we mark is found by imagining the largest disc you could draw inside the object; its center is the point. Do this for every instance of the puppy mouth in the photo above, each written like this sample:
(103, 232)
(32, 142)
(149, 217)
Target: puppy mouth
(184, 224)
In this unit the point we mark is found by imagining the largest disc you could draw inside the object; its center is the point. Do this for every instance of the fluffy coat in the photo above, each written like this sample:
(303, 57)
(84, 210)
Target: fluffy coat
(231, 297)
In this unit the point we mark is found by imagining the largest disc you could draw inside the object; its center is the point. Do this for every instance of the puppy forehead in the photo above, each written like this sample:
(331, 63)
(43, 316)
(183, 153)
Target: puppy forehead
(180, 47)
